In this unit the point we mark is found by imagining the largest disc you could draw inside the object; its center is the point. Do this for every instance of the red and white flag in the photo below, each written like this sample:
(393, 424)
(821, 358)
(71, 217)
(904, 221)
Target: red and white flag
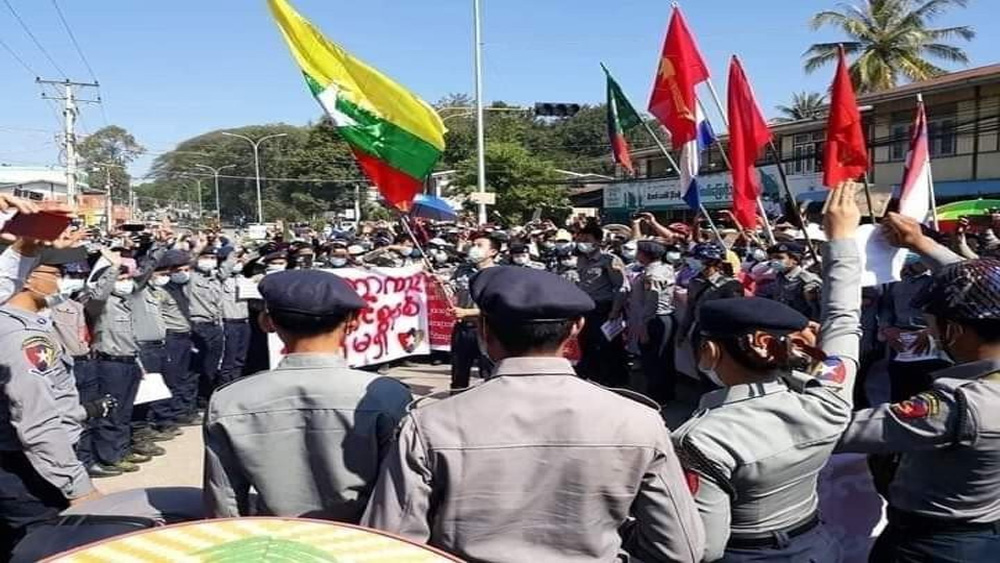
(917, 189)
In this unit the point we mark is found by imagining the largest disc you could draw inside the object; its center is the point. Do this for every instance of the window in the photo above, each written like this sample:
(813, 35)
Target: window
(807, 153)
(942, 137)
(28, 194)
(900, 142)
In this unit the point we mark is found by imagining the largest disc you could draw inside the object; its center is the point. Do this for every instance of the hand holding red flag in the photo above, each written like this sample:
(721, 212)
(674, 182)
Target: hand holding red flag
(845, 156)
(748, 135)
(681, 68)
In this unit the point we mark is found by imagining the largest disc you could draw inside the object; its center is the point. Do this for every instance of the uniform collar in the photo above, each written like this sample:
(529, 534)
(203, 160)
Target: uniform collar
(534, 366)
(971, 370)
(305, 361)
(794, 274)
(742, 392)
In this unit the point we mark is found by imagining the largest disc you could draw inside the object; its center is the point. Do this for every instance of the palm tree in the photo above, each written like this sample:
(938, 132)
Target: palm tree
(892, 40)
(805, 105)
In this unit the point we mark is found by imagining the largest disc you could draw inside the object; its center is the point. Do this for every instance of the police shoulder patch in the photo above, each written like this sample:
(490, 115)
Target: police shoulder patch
(831, 370)
(40, 353)
(923, 405)
(693, 481)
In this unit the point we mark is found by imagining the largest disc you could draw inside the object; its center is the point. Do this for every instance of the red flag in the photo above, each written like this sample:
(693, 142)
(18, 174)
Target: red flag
(681, 68)
(845, 156)
(748, 135)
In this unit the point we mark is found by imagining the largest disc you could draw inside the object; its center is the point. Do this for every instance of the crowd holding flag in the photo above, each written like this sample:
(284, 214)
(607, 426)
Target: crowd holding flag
(396, 137)
(917, 192)
(748, 135)
(845, 155)
(622, 118)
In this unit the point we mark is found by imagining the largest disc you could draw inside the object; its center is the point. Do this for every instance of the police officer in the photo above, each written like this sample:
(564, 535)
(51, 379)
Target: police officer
(655, 286)
(40, 414)
(118, 369)
(151, 336)
(464, 349)
(602, 277)
(753, 449)
(235, 317)
(710, 282)
(549, 482)
(204, 293)
(793, 285)
(308, 435)
(173, 273)
(944, 502)
(520, 255)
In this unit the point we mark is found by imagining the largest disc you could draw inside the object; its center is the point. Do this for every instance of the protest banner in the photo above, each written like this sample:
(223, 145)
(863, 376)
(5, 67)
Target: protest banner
(440, 318)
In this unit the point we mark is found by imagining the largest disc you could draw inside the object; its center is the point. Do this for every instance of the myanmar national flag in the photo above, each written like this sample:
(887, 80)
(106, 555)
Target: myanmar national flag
(396, 137)
(621, 118)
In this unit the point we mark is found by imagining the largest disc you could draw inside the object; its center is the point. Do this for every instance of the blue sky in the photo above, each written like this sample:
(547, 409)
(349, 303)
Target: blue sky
(172, 69)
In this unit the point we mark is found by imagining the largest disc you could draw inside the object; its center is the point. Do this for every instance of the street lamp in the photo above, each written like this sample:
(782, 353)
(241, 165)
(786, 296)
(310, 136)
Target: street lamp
(215, 172)
(256, 164)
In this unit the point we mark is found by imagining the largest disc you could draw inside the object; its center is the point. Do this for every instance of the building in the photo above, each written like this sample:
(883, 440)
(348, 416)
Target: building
(49, 184)
(963, 112)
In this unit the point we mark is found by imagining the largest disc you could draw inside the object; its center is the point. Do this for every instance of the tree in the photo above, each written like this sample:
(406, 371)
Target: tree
(892, 40)
(106, 155)
(805, 105)
(522, 182)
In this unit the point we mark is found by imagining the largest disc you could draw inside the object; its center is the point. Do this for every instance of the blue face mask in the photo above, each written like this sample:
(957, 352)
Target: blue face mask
(695, 265)
(779, 266)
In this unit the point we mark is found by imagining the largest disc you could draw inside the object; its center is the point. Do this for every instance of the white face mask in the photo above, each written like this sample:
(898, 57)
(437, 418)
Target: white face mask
(520, 260)
(338, 262)
(160, 280)
(673, 257)
(180, 278)
(568, 262)
(237, 268)
(585, 247)
(711, 374)
(207, 265)
(124, 287)
(477, 255)
(67, 286)
(440, 257)
(274, 268)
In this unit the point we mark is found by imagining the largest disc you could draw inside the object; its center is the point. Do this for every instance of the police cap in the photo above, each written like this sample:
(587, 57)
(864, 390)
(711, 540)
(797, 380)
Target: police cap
(519, 248)
(742, 315)
(173, 259)
(524, 295)
(965, 291)
(652, 248)
(309, 292)
(790, 248)
(708, 251)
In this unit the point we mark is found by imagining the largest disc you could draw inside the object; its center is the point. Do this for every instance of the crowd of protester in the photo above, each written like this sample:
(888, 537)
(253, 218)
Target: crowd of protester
(651, 307)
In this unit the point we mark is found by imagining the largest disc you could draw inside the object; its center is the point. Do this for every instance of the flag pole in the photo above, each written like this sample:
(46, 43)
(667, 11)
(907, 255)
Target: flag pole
(930, 177)
(673, 163)
(405, 222)
(768, 231)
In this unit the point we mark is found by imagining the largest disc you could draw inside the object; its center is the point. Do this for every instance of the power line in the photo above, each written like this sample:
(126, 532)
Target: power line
(34, 39)
(26, 66)
(72, 37)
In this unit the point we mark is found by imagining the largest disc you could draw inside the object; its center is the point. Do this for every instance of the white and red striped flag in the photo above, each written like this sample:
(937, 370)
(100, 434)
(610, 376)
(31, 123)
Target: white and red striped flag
(917, 191)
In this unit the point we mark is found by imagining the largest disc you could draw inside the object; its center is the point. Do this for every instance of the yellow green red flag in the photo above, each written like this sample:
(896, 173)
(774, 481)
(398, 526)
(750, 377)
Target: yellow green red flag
(396, 137)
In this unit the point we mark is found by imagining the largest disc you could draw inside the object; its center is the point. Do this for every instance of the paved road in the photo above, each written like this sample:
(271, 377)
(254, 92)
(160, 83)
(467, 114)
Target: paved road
(182, 465)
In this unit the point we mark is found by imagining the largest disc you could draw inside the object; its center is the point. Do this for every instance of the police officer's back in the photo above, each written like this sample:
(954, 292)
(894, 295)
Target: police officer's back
(535, 464)
(944, 502)
(754, 449)
(309, 434)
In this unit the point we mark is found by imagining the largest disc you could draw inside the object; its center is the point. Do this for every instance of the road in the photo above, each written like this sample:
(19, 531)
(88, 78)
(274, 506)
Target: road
(182, 464)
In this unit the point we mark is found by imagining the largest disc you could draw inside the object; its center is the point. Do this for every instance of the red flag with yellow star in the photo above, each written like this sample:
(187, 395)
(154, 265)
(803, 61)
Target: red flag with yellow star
(681, 69)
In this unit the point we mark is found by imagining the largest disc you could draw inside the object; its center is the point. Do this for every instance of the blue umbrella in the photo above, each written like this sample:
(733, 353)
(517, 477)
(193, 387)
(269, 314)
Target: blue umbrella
(433, 208)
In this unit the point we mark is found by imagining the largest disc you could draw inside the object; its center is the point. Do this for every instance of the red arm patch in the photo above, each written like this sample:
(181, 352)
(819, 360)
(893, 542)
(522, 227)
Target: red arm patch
(921, 406)
(693, 481)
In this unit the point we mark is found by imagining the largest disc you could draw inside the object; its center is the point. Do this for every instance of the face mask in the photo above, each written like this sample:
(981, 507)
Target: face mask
(338, 262)
(758, 255)
(568, 262)
(67, 286)
(271, 269)
(628, 255)
(123, 287)
(207, 265)
(304, 262)
(673, 257)
(440, 257)
(912, 259)
(695, 265)
(520, 260)
(711, 374)
(563, 245)
(160, 280)
(585, 247)
(237, 268)
(477, 255)
(180, 278)
(547, 245)
(779, 266)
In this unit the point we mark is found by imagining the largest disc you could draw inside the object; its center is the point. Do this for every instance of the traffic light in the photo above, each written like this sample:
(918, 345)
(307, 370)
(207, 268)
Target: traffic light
(547, 109)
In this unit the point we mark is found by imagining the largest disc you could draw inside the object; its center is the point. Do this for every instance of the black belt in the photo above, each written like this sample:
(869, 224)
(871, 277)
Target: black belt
(119, 359)
(236, 321)
(770, 539)
(81, 358)
(178, 333)
(153, 343)
(929, 524)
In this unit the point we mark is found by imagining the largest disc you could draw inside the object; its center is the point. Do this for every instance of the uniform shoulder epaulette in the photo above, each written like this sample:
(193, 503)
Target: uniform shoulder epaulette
(637, 397)
(433, 398)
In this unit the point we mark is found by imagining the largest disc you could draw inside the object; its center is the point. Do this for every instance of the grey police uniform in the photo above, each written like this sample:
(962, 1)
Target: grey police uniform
(204, 293)
(753, 451)
(40, 423)
(602, 277)
(464, 347)
(308, 435)
(947, 480)
(550, 480)
(794, 287)
(235, 324)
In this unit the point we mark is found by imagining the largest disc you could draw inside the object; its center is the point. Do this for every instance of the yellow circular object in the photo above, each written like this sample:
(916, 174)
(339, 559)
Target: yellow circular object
(250, 540)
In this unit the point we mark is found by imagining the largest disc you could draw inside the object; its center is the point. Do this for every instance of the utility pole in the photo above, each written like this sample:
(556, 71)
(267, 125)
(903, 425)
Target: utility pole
(110, 205)
(256, 165)
(480, 126)
(70, 113)
(215, 172)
